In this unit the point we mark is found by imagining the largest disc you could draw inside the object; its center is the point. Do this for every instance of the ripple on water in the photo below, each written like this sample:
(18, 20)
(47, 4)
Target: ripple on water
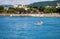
(26, 28)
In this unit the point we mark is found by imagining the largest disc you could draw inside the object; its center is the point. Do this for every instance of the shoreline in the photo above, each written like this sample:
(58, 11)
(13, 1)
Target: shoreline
(33, 15)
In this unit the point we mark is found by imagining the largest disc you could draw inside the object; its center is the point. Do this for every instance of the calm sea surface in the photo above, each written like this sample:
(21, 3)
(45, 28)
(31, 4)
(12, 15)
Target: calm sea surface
(29, 28)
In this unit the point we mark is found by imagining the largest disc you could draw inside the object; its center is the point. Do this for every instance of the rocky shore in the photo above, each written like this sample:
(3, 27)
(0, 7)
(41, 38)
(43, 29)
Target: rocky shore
(34, 15)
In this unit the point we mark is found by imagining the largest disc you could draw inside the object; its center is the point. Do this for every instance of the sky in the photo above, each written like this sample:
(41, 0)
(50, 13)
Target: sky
(24, 2)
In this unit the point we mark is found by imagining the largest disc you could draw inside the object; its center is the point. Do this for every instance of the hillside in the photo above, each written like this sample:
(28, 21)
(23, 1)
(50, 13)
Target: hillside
(6, 5)
(44, 3)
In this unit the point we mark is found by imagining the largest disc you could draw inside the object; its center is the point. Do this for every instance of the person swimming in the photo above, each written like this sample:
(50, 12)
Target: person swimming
(41, 22)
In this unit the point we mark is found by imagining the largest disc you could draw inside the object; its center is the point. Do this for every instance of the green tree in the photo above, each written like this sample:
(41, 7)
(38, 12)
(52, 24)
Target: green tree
(50, 10)
(54, 10)
(29, 10)
(11, 10)
(41, 8)
(58, 10)
(1, 9)
(46, 10)
(21, 10)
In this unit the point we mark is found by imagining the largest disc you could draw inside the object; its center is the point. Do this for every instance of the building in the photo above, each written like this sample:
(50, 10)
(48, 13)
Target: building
(48, 6)
(15, 6)
(21, 6)
(58, 5)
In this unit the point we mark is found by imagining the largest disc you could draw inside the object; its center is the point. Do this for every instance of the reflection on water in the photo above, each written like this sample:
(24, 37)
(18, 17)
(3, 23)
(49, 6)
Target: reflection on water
(26, 28)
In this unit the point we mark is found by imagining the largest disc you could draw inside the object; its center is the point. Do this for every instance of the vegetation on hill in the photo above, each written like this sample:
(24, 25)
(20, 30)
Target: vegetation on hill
(1, 9)
(45, 3)
(29, 10)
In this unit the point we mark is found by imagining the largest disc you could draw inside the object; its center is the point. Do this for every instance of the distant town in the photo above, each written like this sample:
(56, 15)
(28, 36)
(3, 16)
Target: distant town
(26, 9)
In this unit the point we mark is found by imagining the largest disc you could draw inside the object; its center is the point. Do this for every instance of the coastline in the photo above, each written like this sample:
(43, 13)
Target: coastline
(33, 15)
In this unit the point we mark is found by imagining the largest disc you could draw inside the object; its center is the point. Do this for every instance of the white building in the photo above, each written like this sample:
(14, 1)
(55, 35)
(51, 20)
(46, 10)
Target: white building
(20, 6)
(58, 5)
(48, 6)
(15, 6)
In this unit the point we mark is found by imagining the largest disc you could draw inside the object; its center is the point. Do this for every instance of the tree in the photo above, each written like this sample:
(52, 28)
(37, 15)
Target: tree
(21, 10)
(50, 10)
(46, 10)
(54, 10)
(11, 10)
(58, 10)
(29, 10)
(41, 8)
(1, 9)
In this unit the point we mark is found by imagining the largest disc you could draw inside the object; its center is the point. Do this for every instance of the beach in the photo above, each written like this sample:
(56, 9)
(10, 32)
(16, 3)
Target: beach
(34, 15)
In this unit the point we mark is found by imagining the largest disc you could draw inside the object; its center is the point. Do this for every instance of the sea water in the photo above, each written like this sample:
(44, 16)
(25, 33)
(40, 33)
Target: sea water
(29, 28)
